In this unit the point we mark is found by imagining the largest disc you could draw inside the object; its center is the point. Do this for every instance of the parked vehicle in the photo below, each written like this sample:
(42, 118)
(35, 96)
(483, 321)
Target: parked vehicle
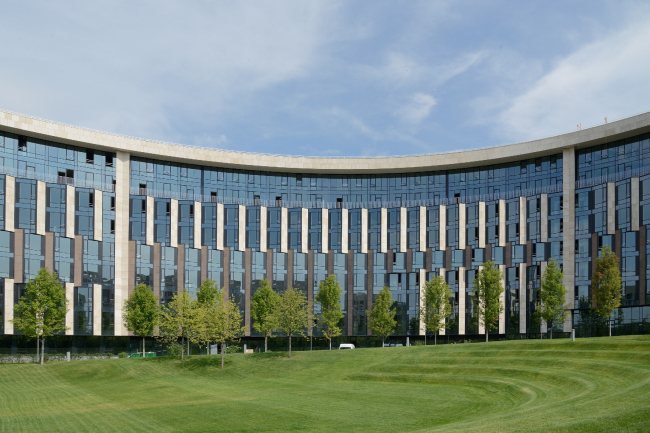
(346, 346)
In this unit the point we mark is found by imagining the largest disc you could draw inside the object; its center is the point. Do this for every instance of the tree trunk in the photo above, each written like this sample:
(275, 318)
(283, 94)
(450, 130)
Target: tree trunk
(42, 350)
(382, 341)
(551, 333)
(143, 351)
(222, 355)
(188, 347)
(38, 348)
(289, 345)
(330, 342)
(266, 348)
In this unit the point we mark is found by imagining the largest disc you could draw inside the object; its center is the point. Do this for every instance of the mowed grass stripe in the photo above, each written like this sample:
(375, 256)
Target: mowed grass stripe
(588, 385)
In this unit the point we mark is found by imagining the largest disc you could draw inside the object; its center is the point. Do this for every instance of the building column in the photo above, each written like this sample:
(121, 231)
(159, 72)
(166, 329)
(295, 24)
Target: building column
(220, 233)
(324, 231)
(173, 224)
(481, 328)
(284, 230)
(364, 231)
(403, 222)
(543, 218)
(502, 301)
(481, 224)
(502, 223)
(70, 209)
(384, 230)
(69, 316)
(9, 306)
(461, 301)
(462, 226)
(242, 227)
(611, 207)
(97, 309)
(263, 228)
(304, 230)
(443, 274)
(122, 258)
(523, 301)
(423, 279)
(569, 218)
(442, 221)
(423, 229)
(150, 209)
(345, 231)
(197, 224)
(10, 207)
(41, 202)
(522, 221)
(98, 215)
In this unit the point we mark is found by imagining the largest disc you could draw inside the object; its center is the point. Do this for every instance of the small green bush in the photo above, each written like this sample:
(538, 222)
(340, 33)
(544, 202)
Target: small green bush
(233, 349)
(122, 355)
(174, 349)
(417, 343)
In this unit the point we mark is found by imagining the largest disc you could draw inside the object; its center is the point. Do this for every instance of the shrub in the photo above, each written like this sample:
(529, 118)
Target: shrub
(417, 343)
(174, 349)
(233, 349)
(122, 355)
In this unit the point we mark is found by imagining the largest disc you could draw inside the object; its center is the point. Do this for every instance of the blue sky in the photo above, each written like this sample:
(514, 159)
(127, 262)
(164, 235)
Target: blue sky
(325, 77)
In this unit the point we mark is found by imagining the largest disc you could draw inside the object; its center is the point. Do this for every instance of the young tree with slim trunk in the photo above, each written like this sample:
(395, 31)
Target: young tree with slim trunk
(606, 284)
(435, 306)
(41, 311)
(263, 305)
(208, 297)
(329, 297)
(552, 296)
(225, 322)
(178, 319)
(293, 313)
(381, 317)
(488, 296)
(141, 312)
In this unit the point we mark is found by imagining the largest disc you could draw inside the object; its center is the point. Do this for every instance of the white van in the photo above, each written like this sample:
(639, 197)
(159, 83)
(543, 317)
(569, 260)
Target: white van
(346, 346)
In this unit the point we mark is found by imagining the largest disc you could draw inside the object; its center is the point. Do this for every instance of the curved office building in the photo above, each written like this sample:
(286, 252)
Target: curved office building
(107, 212)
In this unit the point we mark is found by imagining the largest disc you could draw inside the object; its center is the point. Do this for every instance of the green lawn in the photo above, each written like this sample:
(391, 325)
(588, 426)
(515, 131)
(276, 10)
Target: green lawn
(600, 384)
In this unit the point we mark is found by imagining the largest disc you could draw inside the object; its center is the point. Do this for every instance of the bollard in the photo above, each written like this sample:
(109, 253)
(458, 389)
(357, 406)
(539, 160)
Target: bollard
(244, 348)
(67, 356)
(407, 342)
(573, 335)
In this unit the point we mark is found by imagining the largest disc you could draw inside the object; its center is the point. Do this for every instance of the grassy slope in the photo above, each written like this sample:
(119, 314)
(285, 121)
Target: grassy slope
(590, 385)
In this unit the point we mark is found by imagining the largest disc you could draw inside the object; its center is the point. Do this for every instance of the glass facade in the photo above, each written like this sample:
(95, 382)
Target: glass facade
(183, 223)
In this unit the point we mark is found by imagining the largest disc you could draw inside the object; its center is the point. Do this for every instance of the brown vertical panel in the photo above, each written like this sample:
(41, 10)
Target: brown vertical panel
(350, 290)
(155, 280)
(529, 253)
(617, 243)
(594, 248)
(49, 251)
(330, 263)
(409, 260)
(310, 276)
(642, 265)
(19, 254)
(389, 261)
(427, 259)
(180, 266)
(508, 255)
(132, 259)
(226, 272)
(248, 270)
(488, 252)
(448, 258)
(78, 259)
(290, 268)
(370, 282)
(269, 266)
(204, 263)
(468, 257)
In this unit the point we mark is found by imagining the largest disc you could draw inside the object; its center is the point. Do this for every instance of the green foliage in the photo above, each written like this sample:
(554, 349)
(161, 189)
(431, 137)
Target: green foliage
(41, 311)
(488, 295)
(174, 349)
(122, 355)
(381, 317)
(606, 284)
(293, 313)
(263, 306)
(435, 306)
(140, 312)
(329, 297)
(232, 349)
(208, 292)
(179, 319)
(221, 321)
(552, 295)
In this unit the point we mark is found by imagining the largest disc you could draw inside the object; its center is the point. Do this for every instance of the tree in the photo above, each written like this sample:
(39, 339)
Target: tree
(293, 313)
(381, 317)
(263, 305)
(41, 311)
(552, 295)
(488, 293)
(141, 312)
(178, 319)
(208, 298)
(606, 285)
(225, 322)
(329, 297)
(435, 308)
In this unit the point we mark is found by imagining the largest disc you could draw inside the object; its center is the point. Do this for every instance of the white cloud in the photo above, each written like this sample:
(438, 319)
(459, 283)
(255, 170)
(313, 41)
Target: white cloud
(417, 109)
(606, 78)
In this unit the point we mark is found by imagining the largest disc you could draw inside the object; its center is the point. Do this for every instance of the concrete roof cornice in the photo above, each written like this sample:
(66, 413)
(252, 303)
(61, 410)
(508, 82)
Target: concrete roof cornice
(62, 133)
